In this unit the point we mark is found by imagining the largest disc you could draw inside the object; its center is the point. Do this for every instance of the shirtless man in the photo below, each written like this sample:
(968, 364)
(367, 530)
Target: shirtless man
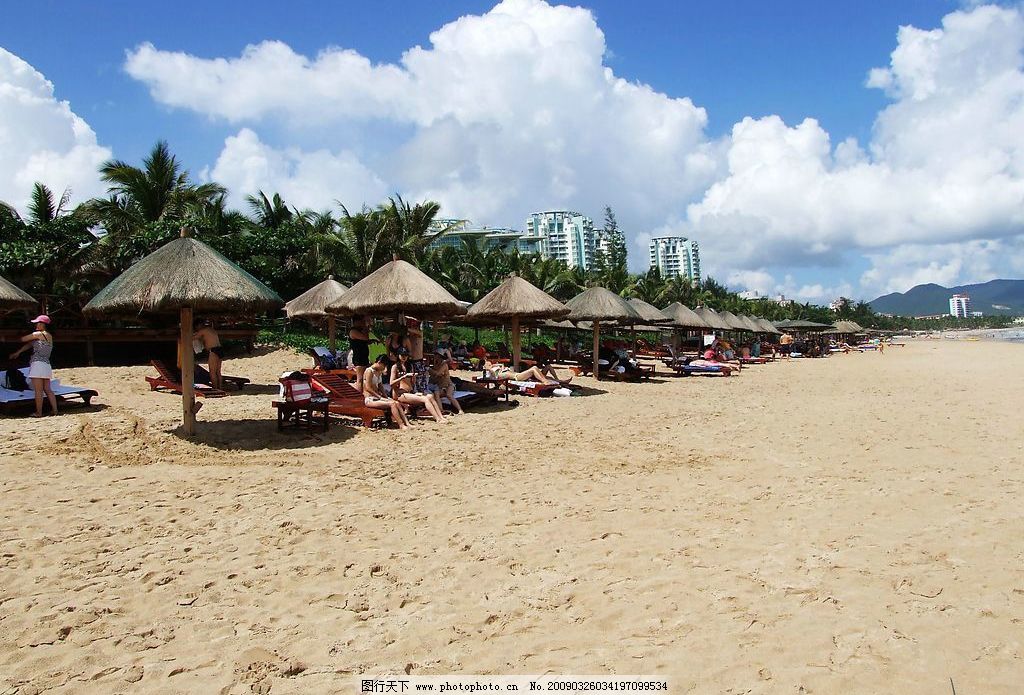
(211, 344)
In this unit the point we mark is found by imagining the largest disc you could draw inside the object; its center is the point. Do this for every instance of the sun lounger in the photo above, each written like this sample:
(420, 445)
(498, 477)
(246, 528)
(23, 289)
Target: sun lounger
(643, 348)
(10, 399)
(533, 388)
(347, 400)
(169, 380)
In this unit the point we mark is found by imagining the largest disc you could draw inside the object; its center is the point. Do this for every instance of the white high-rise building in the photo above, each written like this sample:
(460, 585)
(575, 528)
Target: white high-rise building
(566, 236)
(960, 306)
(676, 256)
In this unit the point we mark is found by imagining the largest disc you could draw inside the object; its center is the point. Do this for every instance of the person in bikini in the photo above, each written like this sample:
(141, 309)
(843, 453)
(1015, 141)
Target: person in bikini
(403, 387)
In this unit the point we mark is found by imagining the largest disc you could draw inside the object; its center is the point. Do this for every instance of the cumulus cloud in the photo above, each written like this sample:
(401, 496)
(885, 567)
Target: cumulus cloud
(515, 110)
(943, 173)
(41, 138)
(304, 179)
(501, 114)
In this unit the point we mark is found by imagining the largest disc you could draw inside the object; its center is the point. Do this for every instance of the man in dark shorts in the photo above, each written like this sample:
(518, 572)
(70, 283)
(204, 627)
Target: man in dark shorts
(207, 336)
(359, 341)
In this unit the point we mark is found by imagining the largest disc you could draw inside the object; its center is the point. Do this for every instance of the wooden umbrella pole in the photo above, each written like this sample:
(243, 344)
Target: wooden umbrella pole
(515, 344)
(597, 346)
(188, 373)
(331, 332)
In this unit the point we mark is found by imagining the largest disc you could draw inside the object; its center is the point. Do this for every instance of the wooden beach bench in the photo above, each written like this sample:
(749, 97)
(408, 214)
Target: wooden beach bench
(347, 400)
(169, 379)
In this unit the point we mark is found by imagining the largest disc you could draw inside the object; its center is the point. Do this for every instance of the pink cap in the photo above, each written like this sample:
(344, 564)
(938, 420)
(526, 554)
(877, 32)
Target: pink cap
(42, 318)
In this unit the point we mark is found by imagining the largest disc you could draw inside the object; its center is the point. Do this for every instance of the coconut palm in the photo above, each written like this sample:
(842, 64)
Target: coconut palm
(270, 213)
(159, 191)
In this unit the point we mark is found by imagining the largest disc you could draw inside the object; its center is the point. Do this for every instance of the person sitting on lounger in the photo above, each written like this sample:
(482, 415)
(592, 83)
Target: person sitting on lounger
(441, 378)
(403, 387)
(373, 394)
(501, 371)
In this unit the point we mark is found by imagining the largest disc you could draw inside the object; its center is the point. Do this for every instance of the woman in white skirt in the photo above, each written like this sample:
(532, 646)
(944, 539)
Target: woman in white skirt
(39, 370)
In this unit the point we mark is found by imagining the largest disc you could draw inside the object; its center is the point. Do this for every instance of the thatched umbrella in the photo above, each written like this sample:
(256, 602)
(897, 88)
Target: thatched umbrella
(181, 277)
(802, 325)
(400, 288)
(766, 326)
(683, 317)
(516, 301)
(598, 304)
(651, 315)
(312, 304)
(733, 321)
(750, 323)
(13, 297)
(712, 319)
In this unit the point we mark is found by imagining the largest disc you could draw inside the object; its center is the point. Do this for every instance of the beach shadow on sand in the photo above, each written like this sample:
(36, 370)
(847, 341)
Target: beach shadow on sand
(263, 435)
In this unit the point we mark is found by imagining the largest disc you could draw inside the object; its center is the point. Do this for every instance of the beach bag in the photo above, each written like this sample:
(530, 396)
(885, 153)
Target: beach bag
(14, 379)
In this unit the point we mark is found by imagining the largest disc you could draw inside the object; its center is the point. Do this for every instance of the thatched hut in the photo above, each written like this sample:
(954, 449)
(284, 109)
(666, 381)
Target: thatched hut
(183, 277)
(766, 326)
(397, 287)
(516, 301)
(13, 297)
(598, 304)
(312, 304)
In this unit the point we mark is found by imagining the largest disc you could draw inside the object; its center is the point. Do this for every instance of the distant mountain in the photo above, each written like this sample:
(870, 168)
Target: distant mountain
(993, 297)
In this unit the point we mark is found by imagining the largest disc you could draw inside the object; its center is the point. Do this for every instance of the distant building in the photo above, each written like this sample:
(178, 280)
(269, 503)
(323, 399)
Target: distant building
(781, 300)
(751, 295)
(977, 314)
(836, 304)
(454, 232)
(676, 256)
(565, 236)
(960, 306)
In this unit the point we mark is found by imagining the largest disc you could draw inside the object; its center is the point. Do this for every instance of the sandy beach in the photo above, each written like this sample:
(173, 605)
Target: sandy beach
(845, 525)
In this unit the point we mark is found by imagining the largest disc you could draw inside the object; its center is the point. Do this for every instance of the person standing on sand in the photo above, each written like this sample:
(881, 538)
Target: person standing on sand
(359, 341)
(210, 341)
(786, 344)
(39, 370)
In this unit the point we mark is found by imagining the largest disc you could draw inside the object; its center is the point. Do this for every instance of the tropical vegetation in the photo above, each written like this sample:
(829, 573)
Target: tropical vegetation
(64, 256)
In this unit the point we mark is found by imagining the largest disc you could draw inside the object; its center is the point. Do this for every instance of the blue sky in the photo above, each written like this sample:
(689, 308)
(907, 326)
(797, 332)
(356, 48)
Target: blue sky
(736, 60)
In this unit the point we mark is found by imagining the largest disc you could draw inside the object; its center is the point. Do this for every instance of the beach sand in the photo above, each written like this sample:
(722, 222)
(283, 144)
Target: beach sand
(847, 525)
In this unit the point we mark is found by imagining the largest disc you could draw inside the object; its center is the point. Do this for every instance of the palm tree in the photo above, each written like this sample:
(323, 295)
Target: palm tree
(269, 213)
(160, 191)
(48, 245)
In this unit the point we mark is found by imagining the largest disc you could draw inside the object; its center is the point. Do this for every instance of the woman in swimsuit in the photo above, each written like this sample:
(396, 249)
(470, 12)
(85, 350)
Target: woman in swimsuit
(39, 370)
(533, 373)
(403, 378)
(373, 393)
(442, 379)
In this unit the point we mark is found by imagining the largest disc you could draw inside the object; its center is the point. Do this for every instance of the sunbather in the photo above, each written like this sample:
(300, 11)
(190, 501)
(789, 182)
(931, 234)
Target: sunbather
(502, 371)
(373, 395)
(441, 378)
(207, 338)
(403, 387)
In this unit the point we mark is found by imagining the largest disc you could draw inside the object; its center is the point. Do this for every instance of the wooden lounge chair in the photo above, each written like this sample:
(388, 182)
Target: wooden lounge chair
(347, 400)
(169, 380)
(644, 348)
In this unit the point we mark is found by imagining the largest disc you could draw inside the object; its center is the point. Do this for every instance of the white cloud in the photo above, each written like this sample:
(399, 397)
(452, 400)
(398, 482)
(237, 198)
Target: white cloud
(515, 110)
(502, 114)
(304, 179)
(41, 139)
(945, 165)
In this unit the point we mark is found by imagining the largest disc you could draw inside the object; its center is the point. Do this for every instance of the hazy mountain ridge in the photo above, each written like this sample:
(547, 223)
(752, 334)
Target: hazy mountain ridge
(1004, 297)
